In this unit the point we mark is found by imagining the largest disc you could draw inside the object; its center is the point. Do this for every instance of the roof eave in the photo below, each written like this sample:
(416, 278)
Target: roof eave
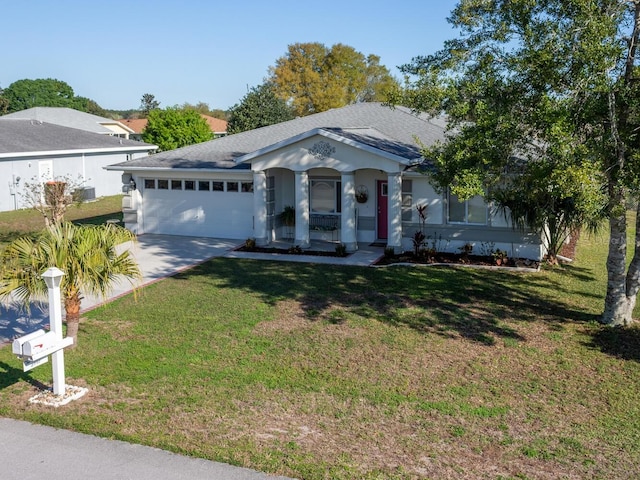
(129, 168)
(48, 153)
(115, 122)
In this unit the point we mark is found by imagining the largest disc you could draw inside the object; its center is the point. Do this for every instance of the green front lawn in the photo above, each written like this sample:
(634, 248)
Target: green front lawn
(340, 372)
(27, 221)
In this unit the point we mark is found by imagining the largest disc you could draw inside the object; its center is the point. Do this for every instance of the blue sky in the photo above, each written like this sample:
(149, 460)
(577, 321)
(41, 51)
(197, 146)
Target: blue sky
(199, 50)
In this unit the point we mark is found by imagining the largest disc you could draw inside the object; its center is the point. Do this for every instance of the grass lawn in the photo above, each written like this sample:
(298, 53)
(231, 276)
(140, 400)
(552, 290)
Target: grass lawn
(322, 372)
(26, 221)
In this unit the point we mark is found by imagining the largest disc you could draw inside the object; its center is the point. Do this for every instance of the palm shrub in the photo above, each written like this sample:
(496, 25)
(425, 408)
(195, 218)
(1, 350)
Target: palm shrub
(86, 254)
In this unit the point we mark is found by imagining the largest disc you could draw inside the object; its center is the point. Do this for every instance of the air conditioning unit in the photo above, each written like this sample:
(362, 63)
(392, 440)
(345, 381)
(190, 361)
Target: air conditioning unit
(86, 193)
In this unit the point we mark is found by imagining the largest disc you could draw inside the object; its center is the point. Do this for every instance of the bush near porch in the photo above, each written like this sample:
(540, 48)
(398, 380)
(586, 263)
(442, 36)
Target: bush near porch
(316, 371)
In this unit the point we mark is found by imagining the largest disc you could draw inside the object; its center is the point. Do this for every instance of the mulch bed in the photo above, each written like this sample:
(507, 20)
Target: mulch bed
(407, 257)
(456, 259)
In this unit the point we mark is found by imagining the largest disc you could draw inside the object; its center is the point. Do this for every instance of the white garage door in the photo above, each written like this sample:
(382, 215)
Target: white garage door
(199, 213)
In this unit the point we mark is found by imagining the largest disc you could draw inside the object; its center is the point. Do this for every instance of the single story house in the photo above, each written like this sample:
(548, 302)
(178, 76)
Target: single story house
(352, 174)
(69, 117)
(31, 150)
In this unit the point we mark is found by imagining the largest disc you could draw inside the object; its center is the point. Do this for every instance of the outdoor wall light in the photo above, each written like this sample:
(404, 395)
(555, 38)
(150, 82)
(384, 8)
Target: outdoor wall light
(132, 184)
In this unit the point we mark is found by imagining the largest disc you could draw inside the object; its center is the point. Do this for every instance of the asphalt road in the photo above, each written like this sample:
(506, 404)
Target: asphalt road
(34, 452)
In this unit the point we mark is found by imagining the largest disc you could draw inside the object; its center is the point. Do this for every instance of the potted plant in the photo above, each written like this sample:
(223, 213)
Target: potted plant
(288, 216)
(500, 257)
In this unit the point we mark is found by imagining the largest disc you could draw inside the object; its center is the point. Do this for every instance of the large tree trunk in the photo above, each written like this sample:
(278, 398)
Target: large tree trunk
(72, 309)
(616, 304)
(622, 285)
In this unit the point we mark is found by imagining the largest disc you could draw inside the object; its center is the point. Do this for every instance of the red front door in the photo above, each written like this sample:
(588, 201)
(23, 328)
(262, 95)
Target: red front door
(383, 205)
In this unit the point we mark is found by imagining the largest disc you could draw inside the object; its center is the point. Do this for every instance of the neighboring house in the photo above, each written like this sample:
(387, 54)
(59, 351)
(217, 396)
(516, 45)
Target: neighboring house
(36, 151)
(68, 117)
(217, 126)
(137, 125)
(353, 175)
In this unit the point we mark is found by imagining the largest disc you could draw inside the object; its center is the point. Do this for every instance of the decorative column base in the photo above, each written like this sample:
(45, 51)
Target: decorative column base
(351, 247)
(397, 249)
(262, 242)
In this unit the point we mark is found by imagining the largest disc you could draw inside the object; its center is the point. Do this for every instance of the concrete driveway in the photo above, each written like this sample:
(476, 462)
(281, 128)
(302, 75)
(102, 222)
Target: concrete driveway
(158, 256)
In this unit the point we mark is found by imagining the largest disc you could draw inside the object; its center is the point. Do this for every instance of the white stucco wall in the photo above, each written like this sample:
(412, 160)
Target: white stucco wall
(88, 167)
(344, 158)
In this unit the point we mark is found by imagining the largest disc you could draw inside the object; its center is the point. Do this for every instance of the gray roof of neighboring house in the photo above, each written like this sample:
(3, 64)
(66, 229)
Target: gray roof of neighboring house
(392, 130)
(67, 117)
(30, 136)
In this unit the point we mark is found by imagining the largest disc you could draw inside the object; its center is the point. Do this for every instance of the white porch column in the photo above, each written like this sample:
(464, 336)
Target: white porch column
(394, 199)
(348, 234)
(260, 208)
(302, 209)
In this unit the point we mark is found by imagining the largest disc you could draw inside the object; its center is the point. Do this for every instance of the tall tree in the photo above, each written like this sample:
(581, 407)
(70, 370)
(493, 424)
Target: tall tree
(174, 128)
(148, 103)
(219, 113)
(85, 253)
(4, 103)
(203, 108)
(379, 82)
(552, 81)
(314, 78)
(49, 92)
(258, 108)
(90, 106)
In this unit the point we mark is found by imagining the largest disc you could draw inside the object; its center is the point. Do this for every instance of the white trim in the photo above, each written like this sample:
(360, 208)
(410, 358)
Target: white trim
(115, 122)
(52, 153)
(145, 170)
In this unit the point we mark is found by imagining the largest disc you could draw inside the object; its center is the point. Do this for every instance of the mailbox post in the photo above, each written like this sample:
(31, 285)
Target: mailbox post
(35, 347)
(53, 277)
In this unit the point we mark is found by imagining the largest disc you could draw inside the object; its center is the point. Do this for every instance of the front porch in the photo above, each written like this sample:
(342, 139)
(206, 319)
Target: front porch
(328, 206)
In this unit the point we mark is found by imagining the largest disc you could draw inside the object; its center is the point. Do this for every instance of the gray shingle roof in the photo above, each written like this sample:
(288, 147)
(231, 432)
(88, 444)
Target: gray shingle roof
(390, 130)
(376, 139)
(25, 136)
(66, 117)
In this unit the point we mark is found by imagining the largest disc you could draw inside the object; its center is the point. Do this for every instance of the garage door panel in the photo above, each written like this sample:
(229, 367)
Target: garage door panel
(209, 214)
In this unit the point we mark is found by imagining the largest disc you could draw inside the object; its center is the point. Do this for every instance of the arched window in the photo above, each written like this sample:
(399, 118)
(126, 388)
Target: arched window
(325, 196)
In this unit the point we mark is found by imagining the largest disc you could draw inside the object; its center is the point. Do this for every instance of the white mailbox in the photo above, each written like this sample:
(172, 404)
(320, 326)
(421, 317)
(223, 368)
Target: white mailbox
(19, 342)
(44, 345)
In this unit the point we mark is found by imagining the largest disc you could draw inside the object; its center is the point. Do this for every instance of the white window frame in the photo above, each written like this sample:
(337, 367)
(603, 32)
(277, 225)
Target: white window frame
(337, 197)
(466, 210)
(407, 200)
